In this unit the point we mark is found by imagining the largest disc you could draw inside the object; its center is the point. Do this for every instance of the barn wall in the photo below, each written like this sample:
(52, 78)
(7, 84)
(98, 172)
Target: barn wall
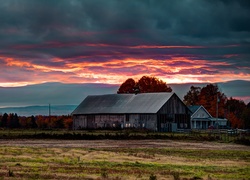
(109, 121)
(173, 106)
(79, 122)
(173, 111)
(148, 121)
(98, 121)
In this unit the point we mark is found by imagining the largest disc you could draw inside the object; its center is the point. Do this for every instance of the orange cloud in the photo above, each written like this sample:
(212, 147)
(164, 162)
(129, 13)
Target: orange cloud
(173, 70)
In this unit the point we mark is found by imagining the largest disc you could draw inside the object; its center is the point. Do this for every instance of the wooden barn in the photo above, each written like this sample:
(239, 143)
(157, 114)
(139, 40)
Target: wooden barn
(153, 111)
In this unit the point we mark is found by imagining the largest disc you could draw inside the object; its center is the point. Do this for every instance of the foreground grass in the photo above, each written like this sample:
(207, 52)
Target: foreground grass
(122, 163)
(209, 135)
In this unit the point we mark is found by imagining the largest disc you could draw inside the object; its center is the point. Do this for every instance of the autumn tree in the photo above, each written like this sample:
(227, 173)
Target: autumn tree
(209, 97)
(192, 96)
(127, 87)
(13, 121)
(4, 120)
(146, 84)
(246, 117)
(234, 120)
(236, 106)
(68, 122)
(149, 84)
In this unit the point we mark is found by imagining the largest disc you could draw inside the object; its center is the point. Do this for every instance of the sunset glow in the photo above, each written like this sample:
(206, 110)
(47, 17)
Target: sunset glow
(172, 70)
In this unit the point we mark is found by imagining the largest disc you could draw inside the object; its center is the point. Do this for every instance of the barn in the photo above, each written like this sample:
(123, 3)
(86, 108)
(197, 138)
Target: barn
(153, 111)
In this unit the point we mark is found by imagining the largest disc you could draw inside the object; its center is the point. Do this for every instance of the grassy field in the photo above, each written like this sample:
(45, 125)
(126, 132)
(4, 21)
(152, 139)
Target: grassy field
(106, 159)
(209, 135)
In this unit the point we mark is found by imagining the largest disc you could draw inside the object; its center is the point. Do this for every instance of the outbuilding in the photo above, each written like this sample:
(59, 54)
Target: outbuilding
(153, 111)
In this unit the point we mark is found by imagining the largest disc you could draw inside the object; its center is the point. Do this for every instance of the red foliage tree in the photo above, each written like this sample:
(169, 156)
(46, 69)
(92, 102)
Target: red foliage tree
(149, 84)
(127, 87)
(146, 84)
(192, 96)
(235, 121)
(209, 97)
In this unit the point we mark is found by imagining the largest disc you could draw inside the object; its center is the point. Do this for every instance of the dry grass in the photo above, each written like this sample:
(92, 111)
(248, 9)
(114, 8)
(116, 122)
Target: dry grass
(107, 160)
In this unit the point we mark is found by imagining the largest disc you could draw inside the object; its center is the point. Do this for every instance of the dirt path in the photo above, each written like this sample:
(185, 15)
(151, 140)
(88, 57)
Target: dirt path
(124, 144)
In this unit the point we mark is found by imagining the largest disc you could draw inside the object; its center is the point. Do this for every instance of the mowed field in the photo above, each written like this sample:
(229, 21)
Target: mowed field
(122, 159)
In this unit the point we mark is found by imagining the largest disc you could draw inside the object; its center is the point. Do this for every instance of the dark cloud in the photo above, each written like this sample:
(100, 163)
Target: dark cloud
(38, 32)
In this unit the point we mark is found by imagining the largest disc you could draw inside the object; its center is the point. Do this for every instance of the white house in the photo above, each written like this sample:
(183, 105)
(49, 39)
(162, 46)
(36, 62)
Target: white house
(202, 119)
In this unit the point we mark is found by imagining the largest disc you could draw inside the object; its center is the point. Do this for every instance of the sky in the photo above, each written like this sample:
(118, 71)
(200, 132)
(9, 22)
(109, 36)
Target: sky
(108, 41)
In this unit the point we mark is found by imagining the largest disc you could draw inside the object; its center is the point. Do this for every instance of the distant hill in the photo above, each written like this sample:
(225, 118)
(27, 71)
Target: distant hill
(72, 94)
(51, 93)
(39, 110)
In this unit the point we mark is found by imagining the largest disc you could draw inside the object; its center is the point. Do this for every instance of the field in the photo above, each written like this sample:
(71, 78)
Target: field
(122, 159)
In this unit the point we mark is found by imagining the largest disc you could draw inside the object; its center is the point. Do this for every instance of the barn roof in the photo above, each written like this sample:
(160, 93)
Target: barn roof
(123, 103)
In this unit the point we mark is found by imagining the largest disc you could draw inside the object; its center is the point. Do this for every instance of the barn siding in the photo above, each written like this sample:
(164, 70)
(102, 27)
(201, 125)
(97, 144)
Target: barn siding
(98, 121)
(79, 122)
(173, 111)
(147, 121)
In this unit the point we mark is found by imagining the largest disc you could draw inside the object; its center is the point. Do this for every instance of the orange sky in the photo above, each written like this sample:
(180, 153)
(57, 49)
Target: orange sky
(175, 70)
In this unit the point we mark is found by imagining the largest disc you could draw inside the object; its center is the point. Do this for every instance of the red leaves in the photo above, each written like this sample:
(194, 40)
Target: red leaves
(146, 84)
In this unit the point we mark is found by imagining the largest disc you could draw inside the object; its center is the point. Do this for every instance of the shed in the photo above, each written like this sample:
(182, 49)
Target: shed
(153, 111)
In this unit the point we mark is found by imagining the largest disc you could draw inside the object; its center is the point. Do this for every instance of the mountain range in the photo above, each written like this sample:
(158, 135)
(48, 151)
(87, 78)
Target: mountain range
(67, 96)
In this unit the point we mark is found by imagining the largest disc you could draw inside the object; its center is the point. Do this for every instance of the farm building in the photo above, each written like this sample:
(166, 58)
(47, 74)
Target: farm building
(201, 118)
(153, 111)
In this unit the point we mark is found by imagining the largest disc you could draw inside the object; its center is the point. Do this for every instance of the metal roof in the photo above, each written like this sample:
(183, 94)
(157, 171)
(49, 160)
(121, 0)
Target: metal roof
(194, 108)
(122, 103)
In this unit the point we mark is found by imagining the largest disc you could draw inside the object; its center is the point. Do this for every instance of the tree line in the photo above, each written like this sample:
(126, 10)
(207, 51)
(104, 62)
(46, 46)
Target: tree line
(42, 122)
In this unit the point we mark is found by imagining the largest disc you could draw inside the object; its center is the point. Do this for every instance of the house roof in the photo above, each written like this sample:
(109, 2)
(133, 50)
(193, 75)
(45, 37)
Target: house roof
(194, 109)
(123, 103)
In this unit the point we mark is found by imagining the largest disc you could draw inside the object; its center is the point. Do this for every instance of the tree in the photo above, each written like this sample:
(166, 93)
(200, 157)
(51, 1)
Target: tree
(192, 96)
(13, 121)
(235, 121)
(33, 122)
(68, 122)
(149, 84)
(235, 109)
(246, 117)
(4, 120)
(209, 97)
(146, 84)
(127, 87)
(236, 106)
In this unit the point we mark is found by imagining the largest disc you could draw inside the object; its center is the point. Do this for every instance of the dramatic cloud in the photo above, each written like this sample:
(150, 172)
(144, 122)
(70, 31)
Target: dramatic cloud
(109, 41)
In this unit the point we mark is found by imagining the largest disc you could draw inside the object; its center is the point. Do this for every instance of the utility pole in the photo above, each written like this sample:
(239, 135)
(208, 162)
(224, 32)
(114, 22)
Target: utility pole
(49, 115)
(217, 111)
(49, 110)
